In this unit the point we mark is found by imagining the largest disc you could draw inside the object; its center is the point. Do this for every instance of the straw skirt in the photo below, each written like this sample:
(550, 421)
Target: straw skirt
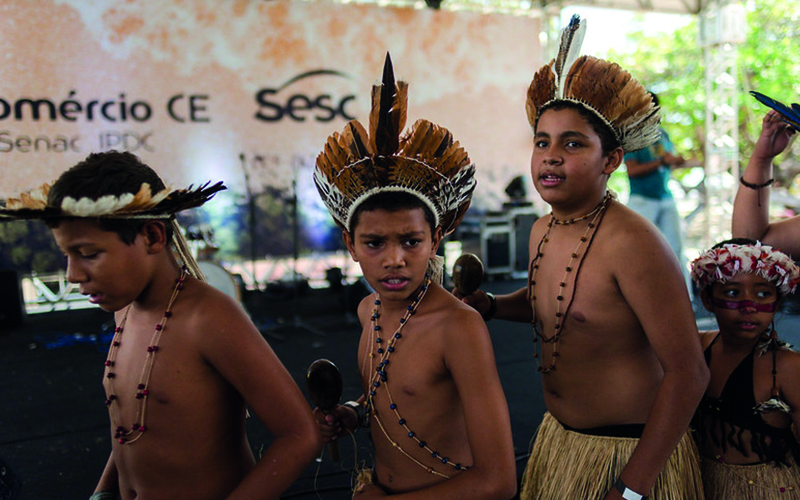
(570, 465)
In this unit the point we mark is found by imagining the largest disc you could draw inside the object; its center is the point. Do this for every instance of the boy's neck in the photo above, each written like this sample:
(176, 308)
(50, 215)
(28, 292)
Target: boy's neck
(158, 291)
(570, 212)
(393, 306)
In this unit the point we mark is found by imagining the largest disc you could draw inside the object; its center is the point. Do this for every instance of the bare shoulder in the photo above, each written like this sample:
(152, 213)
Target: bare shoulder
(213, 310)
(630, 237)
(788, 362)
(628, 224)
(459, 318)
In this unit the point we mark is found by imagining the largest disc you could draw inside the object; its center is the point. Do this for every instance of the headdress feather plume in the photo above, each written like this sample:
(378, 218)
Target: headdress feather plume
(600, 86)
(425, 161)
(568, 51)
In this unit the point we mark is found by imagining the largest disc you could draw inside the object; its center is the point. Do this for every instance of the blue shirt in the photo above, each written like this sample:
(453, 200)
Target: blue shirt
(656, 183)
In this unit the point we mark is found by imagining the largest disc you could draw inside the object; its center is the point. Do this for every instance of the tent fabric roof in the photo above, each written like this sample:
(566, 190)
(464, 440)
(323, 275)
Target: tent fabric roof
(535, 8)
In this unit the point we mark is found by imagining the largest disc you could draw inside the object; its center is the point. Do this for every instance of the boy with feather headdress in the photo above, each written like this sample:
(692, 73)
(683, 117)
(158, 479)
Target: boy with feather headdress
(185, 361)
(431, 394)
(615, 336)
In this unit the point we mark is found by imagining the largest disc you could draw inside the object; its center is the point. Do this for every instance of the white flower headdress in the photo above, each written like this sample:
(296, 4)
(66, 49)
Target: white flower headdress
(600, 86)
(425, 162)
(729, 260)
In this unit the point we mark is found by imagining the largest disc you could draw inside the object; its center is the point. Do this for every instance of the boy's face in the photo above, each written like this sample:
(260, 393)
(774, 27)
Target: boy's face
(743, 305)
(568, 163)
(106, 269)
(393, 250)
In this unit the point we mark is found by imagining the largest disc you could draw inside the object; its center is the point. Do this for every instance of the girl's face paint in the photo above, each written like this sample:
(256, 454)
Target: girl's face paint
(745, 304)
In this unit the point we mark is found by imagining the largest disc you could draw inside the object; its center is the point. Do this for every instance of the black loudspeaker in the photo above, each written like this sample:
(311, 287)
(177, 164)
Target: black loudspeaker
(11, 303)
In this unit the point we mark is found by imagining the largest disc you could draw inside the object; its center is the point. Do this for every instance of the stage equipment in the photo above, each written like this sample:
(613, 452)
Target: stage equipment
(11, 303)
(499, 239)
(251, 214)
(324, 384)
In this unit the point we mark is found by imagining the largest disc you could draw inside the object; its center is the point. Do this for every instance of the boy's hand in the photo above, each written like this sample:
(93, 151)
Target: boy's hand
(478, 300)
(774, 137)
(369, 491)
(341, 421)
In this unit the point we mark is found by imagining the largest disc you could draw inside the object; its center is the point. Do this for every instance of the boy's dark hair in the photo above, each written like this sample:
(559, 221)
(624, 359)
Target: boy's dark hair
(734, 241)
(108, 173)
(654, 97)
(608, 141)
(392, 201)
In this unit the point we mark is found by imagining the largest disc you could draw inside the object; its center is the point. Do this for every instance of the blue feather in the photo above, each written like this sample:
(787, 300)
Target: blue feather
(789, 115)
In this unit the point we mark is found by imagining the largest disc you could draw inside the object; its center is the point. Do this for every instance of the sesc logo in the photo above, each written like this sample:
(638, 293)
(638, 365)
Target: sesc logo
(300, 107)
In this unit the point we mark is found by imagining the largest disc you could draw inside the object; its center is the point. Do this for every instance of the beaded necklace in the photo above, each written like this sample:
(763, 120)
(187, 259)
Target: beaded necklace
(379, 379)
(567, 222)
(121, 434)
(598, 213)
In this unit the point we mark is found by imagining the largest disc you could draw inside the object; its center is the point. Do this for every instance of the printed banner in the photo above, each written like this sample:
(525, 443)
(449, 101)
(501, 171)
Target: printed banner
(247, 92)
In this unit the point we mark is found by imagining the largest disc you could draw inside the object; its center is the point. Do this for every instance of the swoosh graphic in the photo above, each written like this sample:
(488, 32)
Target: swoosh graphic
(315, 72)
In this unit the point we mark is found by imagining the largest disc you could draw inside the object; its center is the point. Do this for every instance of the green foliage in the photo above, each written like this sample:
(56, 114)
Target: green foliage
(673, 66)
(27, 246)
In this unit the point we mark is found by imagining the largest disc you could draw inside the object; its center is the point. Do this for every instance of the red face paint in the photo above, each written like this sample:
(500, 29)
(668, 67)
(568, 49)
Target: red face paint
(741, 304)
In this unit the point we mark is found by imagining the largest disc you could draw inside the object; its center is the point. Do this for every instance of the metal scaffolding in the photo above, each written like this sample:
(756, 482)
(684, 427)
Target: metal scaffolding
(722, 29)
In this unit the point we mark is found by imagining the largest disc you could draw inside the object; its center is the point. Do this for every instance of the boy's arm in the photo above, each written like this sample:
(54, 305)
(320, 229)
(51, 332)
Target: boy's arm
(649, 277)
(788, 374)
(512, 307)
(751, 205)
(492, 475)
(238, 351)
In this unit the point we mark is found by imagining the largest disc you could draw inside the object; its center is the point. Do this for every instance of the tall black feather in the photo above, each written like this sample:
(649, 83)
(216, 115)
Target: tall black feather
(386, 135)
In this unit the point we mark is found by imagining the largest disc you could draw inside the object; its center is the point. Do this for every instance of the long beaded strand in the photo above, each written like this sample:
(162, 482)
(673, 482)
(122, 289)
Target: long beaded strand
(598, 213)
(379, 378)
(121, 434)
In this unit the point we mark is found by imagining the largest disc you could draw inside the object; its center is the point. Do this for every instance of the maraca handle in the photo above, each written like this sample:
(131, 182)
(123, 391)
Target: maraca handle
(333, 448)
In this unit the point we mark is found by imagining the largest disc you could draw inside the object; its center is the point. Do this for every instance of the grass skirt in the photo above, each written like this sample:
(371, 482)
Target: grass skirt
(750, 482)
(570, 465)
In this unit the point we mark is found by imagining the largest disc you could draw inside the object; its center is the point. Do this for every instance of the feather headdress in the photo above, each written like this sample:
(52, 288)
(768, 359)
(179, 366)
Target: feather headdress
(600, 86)
(142, 205)
(425, 161)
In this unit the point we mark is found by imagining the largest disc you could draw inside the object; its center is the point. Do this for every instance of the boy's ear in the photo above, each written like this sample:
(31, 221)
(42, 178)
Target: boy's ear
(437, 239)
(348, 241)
(613, 161)
(155, 236)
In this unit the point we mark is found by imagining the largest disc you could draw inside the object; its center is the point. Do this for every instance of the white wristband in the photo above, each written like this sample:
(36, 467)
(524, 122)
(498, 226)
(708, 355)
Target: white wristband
(627, 493)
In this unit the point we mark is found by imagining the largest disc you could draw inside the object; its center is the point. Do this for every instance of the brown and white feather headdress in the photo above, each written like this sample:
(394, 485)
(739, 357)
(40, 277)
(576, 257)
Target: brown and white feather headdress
(144, 204)
(600, 86)
(425, 161)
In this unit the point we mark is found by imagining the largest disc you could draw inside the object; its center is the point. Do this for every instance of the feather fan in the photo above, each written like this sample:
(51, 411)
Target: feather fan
(790, 115)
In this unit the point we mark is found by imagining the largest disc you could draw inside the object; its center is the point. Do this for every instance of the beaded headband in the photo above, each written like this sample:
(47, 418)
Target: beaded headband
(729, 260)
(142, 205)
(425, 162)
(600, 86)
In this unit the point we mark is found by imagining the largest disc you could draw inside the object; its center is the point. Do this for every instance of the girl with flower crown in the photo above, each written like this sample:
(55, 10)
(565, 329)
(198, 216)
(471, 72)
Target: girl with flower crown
(744, 424)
